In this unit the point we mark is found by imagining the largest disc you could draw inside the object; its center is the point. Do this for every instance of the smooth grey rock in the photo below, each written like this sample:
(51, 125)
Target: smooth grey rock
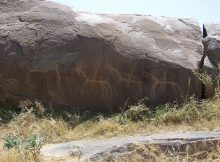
(120, 147)
(212, 28)
(212, 43)
(212, 49)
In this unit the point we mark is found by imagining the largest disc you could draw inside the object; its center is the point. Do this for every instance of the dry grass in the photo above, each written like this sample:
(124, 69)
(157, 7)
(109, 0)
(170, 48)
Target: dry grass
(143, 153)
(138, 119)
(14, 155)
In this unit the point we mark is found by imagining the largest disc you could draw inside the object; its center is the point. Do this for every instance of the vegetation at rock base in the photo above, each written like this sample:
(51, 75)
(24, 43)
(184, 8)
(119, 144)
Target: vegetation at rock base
(24, 132)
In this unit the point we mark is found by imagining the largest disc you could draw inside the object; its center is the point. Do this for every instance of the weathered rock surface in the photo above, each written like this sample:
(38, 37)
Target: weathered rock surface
(212, 28)
(118, 148)
(96, 62)
(212, 43)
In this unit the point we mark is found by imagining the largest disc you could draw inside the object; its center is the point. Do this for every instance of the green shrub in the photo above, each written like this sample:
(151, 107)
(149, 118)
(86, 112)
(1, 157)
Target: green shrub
(6, 114)
(12, 141)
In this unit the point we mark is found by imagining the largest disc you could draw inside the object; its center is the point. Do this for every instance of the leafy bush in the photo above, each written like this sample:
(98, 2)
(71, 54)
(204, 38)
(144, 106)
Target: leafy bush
(12, 141)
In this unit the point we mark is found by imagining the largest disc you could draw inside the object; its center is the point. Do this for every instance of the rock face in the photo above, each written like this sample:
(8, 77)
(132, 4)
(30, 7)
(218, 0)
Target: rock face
(119, 148)
(212, 43)
(96, 62)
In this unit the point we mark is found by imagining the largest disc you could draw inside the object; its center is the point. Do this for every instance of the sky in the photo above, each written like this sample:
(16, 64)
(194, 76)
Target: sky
(205, 11)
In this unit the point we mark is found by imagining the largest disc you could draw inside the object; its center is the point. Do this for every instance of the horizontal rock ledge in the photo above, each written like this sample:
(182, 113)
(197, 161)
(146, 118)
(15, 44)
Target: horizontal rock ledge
(113, 149)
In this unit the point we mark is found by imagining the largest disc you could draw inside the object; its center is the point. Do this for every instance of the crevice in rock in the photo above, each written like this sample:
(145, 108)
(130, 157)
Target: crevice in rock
(204, 31)
(20, 19)
(201, 64)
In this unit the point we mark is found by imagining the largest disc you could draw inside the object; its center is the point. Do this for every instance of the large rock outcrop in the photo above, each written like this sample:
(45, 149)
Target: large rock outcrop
(95, 61)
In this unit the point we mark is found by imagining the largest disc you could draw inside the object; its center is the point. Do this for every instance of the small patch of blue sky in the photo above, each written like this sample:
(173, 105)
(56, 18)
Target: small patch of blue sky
(205, 11)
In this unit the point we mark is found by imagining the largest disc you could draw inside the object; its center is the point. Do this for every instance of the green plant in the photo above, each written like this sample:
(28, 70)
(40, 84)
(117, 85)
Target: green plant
(30, 148)
(12, 141)
(6, 114)
(33, 141)
(160, 111)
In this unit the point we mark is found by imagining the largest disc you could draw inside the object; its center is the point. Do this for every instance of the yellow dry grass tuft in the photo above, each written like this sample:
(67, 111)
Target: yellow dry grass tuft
(14, 155)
